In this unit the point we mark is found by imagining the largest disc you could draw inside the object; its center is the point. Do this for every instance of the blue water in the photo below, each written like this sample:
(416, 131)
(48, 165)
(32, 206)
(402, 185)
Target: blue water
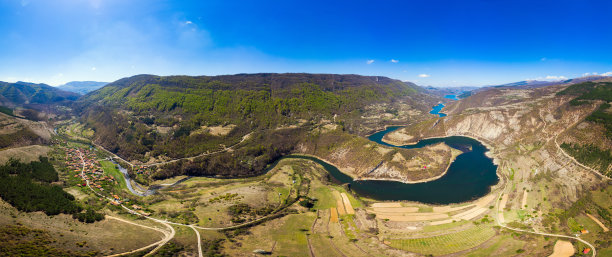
(436, 110)
(469, 177)
(452, 97)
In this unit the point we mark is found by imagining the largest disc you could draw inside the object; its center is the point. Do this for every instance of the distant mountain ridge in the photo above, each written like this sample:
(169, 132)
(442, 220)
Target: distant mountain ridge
(540, 83)
(25, 93)
(82, 87)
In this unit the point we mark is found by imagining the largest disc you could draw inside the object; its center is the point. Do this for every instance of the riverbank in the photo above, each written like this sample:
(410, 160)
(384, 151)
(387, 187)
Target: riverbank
(349, 174)
(467, 175)
(491, 149)
(454, 154)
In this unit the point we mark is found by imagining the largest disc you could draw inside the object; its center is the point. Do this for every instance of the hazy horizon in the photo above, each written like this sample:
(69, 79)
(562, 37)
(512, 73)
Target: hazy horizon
(429, 43)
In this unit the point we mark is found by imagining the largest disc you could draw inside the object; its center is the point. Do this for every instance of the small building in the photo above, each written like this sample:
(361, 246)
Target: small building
(586, 250)
(584, 231)
(144, 213)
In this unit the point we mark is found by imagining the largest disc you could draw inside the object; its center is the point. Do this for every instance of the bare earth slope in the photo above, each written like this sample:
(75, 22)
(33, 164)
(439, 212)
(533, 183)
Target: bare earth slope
(520, 126)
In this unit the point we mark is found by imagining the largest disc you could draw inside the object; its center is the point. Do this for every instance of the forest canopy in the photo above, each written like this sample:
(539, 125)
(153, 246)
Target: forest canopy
(26, 186)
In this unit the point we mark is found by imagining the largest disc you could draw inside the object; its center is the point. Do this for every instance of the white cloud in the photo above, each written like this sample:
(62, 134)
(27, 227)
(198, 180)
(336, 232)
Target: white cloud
(370, 61)
(188, 22)
(543, 59)
(589, 74)
(93, 68)
(549, 77)
(609, 73)
(394, 61)
(424, 75)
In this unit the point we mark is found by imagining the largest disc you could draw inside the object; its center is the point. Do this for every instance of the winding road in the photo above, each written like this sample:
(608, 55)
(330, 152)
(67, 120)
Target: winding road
(499, 223)
(168, 235)
(225, 149)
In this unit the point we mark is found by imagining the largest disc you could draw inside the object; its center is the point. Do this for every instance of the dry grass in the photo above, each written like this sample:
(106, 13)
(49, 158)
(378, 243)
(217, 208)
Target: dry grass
(215, 130)
(107, 236)
(605, 229)
(24, 154)
(563, 249)
(334, 215)
(347, 204)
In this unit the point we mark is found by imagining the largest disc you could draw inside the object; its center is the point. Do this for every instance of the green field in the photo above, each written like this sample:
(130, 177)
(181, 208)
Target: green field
(504, 245)
(111, 169)
(445, 244)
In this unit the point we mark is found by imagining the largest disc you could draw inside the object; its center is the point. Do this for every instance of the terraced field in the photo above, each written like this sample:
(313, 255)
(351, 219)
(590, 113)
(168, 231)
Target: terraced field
(445, 244)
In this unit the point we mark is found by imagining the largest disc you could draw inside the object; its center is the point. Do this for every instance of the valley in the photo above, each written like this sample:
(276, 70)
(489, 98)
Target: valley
(323, 165)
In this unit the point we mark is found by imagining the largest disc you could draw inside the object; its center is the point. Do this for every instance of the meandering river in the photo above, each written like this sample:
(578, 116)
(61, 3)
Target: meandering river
(470, 176)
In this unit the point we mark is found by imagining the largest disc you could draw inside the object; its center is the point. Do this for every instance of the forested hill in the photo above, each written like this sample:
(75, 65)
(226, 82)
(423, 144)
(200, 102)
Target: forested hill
(196, 94)
(24, 93)
(264, 100)
(145, 116)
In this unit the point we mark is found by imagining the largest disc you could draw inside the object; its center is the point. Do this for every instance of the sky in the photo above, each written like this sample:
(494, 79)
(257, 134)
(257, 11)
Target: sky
(429, 42)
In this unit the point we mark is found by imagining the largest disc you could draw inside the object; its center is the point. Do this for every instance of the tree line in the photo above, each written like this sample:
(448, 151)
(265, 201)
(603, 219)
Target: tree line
(27, 187)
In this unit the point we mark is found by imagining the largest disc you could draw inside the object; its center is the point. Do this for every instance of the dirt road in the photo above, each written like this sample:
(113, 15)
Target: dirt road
(497, 204)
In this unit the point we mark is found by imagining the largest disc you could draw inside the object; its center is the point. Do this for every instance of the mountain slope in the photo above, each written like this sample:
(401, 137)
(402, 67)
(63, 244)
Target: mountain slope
(150, 118)
(255, 100)
(82, 87)
(24, 93)
(181, 94)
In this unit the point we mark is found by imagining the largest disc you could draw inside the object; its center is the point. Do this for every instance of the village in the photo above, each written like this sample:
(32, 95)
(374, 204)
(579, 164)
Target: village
(84, 164)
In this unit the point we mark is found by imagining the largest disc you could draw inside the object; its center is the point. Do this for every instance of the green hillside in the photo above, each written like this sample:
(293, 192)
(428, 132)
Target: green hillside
(267, 99)
(23, 93)
(146, 116)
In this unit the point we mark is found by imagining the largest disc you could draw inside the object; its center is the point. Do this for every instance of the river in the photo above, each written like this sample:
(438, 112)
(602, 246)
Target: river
(128, 181)
(436, 110)
(469, 177)
(452, 97)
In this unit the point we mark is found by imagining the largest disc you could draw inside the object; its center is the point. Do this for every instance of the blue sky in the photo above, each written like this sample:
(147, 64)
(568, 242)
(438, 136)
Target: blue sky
(439, 43)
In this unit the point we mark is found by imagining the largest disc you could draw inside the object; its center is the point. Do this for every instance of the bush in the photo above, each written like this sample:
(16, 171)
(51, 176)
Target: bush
(6, 110)
(590, 155)
(90, 216)
(308, 203)
(31, 114)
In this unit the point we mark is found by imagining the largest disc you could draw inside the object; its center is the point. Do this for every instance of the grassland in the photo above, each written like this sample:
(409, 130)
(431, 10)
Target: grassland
(445, 244)
(111, 169)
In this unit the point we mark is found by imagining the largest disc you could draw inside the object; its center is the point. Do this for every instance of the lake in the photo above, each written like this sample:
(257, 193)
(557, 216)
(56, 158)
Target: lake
(452, 97)
(436, 110)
